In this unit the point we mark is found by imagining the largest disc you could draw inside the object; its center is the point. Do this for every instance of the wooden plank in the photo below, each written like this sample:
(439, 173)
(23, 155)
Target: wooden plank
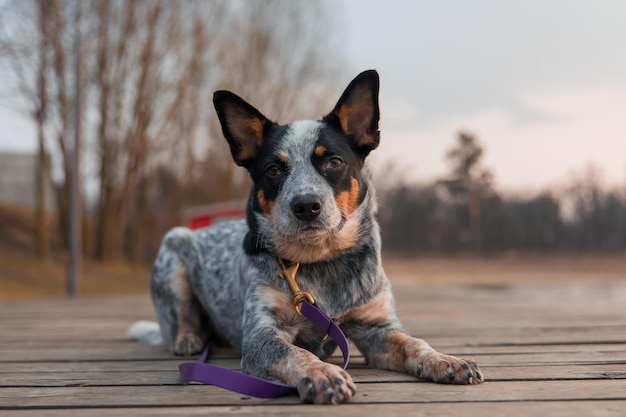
(509, 409)
(401, 392)
(449, 341)
(545, 349)
(98, 366)
(539, 359)
(525, 371)
(168, 375)
(469, 347)
(411, 297)
(129, 353)
(45, 335)
(84, 354)
(531, 409)
(538, 330)
(515, 323)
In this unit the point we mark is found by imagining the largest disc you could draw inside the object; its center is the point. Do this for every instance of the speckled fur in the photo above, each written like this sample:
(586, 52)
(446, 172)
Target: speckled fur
(233, 293)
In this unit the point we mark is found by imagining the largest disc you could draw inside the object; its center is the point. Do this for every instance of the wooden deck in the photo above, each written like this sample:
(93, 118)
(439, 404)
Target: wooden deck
(544, 348)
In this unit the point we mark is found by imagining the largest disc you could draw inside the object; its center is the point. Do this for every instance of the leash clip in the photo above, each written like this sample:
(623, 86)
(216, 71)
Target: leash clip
(289, 275)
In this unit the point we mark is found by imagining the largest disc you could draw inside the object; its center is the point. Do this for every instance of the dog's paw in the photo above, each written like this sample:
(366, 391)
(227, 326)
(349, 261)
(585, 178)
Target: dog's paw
(446, 369)
(187, 344)
(325, 384)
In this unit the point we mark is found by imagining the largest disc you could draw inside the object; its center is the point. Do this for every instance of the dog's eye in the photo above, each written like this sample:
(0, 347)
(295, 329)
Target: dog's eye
(333, 163)
(273, 171)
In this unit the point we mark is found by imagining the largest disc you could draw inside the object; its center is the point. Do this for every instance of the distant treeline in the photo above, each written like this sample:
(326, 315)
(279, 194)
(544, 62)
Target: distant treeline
(465, 213)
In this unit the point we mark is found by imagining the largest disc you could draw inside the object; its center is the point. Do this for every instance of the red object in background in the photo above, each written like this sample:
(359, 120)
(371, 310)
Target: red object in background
(204, 220)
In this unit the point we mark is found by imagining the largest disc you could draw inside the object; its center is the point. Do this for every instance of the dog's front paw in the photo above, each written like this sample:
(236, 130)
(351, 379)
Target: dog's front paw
(325, 383)
(187, 344)
(446, 369)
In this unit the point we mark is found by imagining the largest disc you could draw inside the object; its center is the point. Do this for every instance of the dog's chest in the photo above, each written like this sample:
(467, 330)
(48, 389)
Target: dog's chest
(344, 283)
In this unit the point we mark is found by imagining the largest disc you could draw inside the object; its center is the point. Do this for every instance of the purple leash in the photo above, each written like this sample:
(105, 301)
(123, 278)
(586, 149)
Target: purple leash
(254, 386)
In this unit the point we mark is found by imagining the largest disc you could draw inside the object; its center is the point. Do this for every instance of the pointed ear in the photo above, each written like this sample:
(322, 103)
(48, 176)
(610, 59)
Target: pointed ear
(357, 112)
(243, 126)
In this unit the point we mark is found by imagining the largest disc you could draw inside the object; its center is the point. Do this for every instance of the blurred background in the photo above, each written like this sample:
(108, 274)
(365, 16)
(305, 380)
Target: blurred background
(503, 127)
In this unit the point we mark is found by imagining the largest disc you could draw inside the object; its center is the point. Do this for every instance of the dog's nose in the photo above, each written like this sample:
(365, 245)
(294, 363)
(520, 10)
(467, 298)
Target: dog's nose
(306, 207)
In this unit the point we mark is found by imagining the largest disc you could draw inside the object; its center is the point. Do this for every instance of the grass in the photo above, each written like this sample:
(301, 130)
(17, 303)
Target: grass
(26, 278)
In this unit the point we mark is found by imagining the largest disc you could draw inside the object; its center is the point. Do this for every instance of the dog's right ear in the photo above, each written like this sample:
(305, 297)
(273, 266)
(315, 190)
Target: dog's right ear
(357, 112)
(243, 126)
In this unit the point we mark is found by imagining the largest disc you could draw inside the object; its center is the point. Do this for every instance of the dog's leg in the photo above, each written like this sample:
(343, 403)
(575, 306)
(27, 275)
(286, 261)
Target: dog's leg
(380, 337)
(182, 319)
(396, 350)
(268, 350)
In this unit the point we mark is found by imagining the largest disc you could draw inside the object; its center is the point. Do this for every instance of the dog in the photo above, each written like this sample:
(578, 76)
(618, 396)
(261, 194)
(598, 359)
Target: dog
(312, 203)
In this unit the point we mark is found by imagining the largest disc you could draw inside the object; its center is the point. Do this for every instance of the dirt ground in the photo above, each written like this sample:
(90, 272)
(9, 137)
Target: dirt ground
(504, 269)
(24, 278)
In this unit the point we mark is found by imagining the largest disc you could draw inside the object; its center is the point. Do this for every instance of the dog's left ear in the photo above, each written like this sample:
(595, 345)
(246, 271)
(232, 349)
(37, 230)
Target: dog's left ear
(357, 112)
(243, 126)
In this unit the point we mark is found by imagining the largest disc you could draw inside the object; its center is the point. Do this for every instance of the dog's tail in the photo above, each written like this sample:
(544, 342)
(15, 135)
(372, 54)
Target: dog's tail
(146, 332)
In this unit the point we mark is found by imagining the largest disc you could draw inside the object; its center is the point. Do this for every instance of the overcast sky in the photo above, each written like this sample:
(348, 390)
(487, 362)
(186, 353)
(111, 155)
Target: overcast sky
(542, 83)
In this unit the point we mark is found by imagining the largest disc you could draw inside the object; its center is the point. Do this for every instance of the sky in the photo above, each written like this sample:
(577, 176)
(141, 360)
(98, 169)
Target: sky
(541, 83)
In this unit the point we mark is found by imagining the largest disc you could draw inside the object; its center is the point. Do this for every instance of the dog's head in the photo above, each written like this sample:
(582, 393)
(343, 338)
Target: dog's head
(310, 199)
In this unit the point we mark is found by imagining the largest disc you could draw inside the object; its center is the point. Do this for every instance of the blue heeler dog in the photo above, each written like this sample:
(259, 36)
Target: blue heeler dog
(311, 202)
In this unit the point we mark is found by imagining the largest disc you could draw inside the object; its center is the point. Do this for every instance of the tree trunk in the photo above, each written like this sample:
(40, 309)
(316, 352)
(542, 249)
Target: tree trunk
(42, 227)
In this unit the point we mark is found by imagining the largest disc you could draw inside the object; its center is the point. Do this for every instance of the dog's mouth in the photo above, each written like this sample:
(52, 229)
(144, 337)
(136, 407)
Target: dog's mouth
(312, 228)
(316, 242)
(318, 227)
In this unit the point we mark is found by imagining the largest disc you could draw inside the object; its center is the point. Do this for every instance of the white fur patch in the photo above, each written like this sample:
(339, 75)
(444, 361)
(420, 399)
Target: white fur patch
(146, 332)
(301, 138)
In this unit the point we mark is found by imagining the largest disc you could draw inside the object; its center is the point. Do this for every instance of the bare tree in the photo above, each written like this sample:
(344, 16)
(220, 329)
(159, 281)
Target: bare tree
(26, 59)
(469, 182)
(151, 68)
(42, 169)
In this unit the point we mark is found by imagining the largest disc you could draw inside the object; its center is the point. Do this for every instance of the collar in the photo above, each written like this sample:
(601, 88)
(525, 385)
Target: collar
(289, 275)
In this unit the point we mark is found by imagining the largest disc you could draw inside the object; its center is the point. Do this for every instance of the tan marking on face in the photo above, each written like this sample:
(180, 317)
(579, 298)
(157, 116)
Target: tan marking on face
(283, 157)
(321, 246)
(308, 247)
(348, 201)
(320, 150)
(266, 206)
